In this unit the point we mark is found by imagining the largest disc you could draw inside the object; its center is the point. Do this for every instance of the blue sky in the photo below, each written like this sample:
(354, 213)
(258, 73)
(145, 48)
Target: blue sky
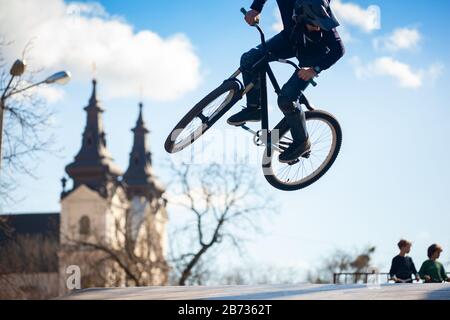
(392, 177)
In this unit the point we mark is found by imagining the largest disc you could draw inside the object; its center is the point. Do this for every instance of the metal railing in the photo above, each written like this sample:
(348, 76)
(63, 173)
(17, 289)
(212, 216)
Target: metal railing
(358, 277)
(361, 277)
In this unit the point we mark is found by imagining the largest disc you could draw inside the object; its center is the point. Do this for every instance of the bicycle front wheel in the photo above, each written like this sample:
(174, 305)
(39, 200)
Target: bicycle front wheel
(326, 138)
(203, 116)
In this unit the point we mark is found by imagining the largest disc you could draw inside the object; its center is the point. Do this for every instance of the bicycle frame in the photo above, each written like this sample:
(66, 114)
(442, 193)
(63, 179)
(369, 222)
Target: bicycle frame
(263, 69)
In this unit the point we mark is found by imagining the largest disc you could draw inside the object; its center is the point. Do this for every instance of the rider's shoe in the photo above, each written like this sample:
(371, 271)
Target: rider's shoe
(301, 143)
(295, 151)
(248, 114)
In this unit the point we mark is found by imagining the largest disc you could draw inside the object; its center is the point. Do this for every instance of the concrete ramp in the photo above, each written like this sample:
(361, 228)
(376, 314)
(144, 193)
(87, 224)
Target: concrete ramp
(272, 292)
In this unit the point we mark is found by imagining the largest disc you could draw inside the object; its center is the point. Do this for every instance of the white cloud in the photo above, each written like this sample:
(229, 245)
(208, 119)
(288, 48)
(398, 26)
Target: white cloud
(351, 14)
(400, 39)
(277, 26)
(435, 71)
(404, 74)
(93, 9)
(50, 94)
(345, 34)
(76, 35)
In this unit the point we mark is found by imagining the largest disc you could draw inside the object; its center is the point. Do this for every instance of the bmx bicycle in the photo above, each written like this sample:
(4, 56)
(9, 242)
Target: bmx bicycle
(324, 130)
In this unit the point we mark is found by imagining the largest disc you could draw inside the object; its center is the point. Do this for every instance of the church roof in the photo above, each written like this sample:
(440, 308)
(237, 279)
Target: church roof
(139, 178)
(93, 165)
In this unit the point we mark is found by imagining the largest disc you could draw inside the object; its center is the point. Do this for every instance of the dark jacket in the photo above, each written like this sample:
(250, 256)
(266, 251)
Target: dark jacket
(402, 268)
(322, 49)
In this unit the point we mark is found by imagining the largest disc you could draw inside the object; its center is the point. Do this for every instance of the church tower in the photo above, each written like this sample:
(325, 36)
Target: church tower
(104, 208)
(145, 193)
(139, 177)
(93, 165)
(97, 201)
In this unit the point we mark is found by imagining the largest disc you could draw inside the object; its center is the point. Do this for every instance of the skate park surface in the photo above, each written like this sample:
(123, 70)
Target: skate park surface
(271, 292)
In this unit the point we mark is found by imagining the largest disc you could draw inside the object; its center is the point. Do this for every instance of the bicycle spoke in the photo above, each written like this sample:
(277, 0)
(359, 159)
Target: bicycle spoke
(322, 137)
(195, 128)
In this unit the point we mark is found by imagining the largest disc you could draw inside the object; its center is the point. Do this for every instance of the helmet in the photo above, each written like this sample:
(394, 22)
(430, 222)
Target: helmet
(316, 12)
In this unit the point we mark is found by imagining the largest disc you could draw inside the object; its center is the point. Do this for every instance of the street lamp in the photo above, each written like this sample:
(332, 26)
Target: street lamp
(17, 70)
(62, 77)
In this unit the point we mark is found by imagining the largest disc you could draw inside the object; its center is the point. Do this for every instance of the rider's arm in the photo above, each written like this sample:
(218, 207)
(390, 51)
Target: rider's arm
(258, 5)
(336, 49)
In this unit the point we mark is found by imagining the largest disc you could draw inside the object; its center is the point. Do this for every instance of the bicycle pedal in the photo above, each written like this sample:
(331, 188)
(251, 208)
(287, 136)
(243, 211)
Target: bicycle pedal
(293, 162)
(307, 155)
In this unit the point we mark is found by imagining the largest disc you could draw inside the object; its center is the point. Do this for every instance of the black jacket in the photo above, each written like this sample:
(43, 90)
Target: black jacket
(402, 267)
(322, 49)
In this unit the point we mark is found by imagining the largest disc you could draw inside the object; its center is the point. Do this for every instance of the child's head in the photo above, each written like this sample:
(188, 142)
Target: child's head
(404, 245)
(434, 251)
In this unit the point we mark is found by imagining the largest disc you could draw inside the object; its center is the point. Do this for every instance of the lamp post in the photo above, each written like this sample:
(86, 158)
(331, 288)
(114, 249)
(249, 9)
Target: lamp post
(17, 69)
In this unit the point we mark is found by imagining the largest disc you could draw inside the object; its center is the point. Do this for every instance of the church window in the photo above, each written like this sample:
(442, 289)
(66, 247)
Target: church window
(85, 226)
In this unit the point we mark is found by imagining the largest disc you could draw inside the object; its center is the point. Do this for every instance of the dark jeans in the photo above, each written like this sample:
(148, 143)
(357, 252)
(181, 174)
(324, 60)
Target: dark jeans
(281, 48)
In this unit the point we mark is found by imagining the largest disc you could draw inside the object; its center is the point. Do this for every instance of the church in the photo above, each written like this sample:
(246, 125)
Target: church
(111, 227)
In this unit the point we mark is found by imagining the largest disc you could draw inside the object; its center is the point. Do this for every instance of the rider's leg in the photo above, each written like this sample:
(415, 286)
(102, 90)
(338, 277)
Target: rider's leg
(295, 118)
(280, 47)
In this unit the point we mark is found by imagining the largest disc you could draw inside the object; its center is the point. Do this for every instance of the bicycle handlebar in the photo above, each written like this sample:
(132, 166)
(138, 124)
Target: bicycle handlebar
(263, 42)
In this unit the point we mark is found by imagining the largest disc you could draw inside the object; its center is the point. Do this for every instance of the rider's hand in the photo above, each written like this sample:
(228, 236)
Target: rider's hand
(252, 17)
(306, 74)
(427, 278)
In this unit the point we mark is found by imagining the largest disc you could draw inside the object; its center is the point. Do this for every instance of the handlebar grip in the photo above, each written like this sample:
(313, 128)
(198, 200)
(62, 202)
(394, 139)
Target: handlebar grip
(313, 83)
(244, 12)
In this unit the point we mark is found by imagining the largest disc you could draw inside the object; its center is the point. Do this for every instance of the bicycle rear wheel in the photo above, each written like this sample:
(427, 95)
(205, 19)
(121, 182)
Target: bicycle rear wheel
(203, 116)
(326, 138)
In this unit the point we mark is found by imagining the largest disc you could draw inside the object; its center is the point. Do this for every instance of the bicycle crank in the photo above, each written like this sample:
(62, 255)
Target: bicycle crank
(259, 139)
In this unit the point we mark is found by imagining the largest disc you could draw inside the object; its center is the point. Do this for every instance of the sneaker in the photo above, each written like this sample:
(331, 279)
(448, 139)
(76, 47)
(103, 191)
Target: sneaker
(295, 151)
(248, 114)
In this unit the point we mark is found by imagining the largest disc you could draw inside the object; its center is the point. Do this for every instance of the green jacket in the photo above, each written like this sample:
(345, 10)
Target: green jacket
(434, 269)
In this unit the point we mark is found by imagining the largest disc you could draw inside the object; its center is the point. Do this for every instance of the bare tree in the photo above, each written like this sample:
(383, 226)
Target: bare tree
(5, 228)
(133, 256)
(260, 275)
(26, 122)
(29, 268)
(223, 203)
(342, 261)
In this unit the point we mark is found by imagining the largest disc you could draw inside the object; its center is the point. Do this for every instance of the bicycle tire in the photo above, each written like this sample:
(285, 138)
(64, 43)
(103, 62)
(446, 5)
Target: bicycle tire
(231, 87)
(283, 130)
